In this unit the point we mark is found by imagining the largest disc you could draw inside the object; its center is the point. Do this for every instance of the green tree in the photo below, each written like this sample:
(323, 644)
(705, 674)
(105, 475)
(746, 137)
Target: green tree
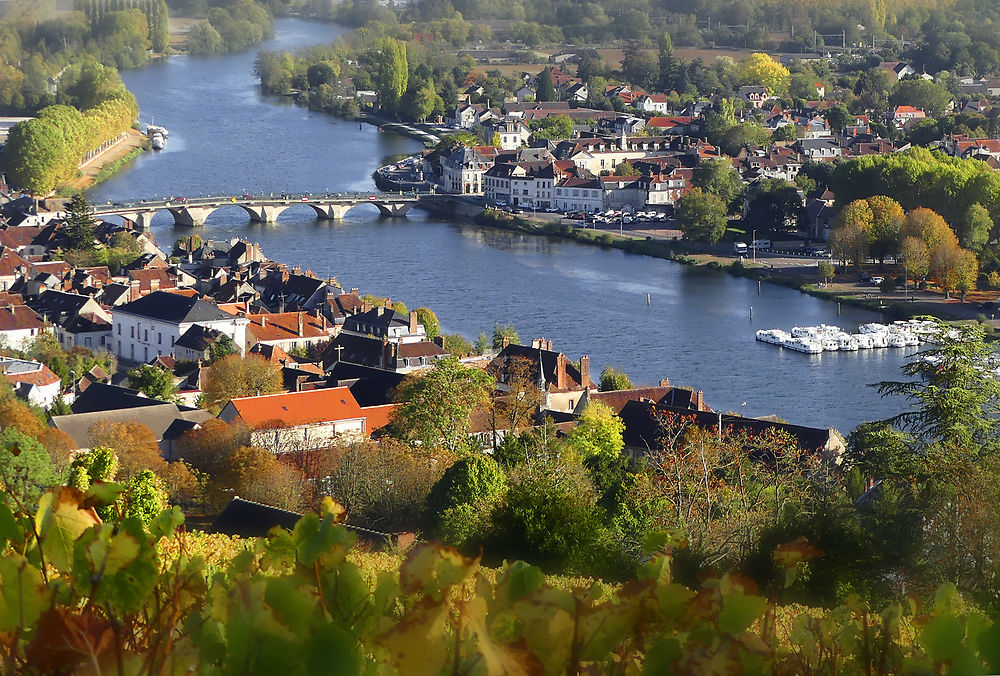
(773, 203)
(545, 89)
(838, 117)
(506, 331)
(221, 348)
(954, 396)
(153, 381)
(598, 432)
(719, 177)
(26, 469)
(457, 345)
(928, 96)
(701, 216)
(429, 320)
(613, 379)
(975, 227)
(468, 481)
(236, 376)
(552, 127)
(144, 497)
(887, 224)
(79, 230)
(436, 405)
(826, 271)
(733, 139)
(392, 73)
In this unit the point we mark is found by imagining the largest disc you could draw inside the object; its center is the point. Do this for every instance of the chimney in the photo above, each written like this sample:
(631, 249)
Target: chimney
(154, 285)
(413, 322)
(388, 302)
(664, 382)
(506, 342)
(354, 291)
(386, 353)
(366, 306)
(301, 323)
(548, 346)
(699, 401)
(561, 377)
(585, 371)
(133, 293)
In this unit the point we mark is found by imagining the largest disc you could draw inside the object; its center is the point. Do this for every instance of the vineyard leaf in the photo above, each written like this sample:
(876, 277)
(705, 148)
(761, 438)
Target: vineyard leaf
(167, 522)
(60, 520)
(292, 604)
(604, 627)
(317, 539)
(521, 579)
(498, 659)
(22, 594)
(661, 657)
(943, 639)
(331, 650)
(102, 493)
(417, 642)
(8, 525)
(739, 611)
(672, 598)
(989, 647)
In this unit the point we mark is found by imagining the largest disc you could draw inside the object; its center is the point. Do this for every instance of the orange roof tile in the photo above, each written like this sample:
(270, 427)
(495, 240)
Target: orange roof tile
(292, 409)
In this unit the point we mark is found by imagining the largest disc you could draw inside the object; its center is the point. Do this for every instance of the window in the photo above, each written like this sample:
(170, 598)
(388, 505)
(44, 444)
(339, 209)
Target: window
(119, 329)
(159, 339)
(86, 342)
(145, 336)
(131, 332)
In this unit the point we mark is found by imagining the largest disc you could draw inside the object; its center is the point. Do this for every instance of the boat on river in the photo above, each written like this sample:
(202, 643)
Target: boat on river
(829, 338)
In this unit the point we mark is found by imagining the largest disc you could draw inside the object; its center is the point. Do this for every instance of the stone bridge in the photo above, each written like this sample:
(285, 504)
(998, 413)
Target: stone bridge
(261, 209)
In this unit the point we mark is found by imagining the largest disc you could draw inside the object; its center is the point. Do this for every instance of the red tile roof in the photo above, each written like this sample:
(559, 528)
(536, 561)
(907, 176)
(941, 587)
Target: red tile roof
(292, 409)
(19, 318)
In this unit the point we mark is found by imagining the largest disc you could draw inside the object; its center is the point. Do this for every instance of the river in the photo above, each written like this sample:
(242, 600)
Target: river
(225, 137)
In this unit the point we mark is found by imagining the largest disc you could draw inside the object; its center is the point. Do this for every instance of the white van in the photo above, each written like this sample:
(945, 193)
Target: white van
(740, 248)
(760, 244)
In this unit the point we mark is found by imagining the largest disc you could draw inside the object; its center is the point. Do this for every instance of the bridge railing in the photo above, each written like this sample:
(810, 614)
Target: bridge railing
(248, 199)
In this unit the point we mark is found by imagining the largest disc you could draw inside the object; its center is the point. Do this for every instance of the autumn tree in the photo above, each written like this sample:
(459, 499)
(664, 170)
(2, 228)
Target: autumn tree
(436, 405)
(887, 223)
(916, 258)
(762, 69)
(954, 268)
(514, 408)
(851, 238)
(134, 443)
(929, 226)
(236, 376)
(258, 475)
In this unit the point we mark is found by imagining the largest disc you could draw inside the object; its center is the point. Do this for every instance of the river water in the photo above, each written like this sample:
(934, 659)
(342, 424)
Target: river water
(226, 138)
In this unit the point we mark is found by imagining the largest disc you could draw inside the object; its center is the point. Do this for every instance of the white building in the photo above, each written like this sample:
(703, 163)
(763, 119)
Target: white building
(32, 381)
(19, 325)
(150, 326)
(579, 194)
(462, 171)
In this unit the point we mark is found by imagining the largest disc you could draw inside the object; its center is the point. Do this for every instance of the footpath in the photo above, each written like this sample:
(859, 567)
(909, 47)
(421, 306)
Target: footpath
(133, 140)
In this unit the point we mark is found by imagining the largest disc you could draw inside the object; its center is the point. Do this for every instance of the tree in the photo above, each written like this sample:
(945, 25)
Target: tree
(153, 381)
(467, 482)
(436, 405)
(928, 96)
(598, 432)
(887, 223)
(917, 259)
(701, 216)
(719, 177)
(258, 475)
(975, 227)
(134, 443)
(761, 69)
(773, 203)
(734, 138)
(392, 73)
(236, 376)
(429, 320)
(640, 68)
(838, 117)
(928, 226)
(320, 74)
(955, 396)
(144, 497)
(457, 345)
(851, 239)
(508, 332)
(78, 232)
(552, 127)
(545, 89)
(221, 348)
(26, 470)
(954, 268)
(613, 379)
(826, 271)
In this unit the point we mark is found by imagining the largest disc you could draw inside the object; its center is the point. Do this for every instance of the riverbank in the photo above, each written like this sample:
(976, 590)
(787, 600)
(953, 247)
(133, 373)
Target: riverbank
(895, 305)
(105, 165)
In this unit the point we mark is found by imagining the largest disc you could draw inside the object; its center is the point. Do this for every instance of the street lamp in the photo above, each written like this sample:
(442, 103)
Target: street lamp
(753, 244)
